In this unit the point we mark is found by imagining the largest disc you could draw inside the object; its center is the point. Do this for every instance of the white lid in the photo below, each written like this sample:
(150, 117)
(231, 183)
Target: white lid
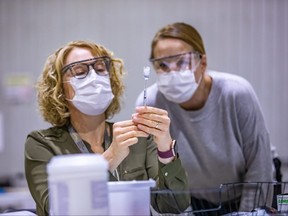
(77, 163)
(126, 185)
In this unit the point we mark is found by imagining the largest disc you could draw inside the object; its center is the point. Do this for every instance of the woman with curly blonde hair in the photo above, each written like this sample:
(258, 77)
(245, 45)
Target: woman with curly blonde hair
(52, 102)
(79, 90)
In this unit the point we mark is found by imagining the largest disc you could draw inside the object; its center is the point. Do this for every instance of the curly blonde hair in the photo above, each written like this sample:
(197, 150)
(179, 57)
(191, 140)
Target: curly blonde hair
(51, 100)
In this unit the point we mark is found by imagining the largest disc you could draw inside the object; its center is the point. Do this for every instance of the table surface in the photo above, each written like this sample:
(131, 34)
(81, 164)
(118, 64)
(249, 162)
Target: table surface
(18, 198)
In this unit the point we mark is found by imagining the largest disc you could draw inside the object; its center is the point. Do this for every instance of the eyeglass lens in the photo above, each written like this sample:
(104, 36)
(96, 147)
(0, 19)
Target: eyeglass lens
(100, 65)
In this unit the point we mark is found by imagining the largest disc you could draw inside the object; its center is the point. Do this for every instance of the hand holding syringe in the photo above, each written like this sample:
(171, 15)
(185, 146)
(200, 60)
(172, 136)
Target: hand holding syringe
(146, 73)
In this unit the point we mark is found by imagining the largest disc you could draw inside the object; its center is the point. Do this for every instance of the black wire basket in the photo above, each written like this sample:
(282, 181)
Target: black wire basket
(245, 198)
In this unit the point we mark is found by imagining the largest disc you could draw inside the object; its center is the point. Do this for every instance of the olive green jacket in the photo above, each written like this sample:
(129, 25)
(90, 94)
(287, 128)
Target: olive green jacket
(141, 164)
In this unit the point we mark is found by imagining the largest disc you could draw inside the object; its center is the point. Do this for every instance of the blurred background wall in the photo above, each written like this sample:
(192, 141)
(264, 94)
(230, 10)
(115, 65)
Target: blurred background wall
(248, 38)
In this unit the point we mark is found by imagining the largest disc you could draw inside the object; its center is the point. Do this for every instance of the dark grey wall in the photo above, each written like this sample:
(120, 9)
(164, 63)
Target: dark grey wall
(242, 37)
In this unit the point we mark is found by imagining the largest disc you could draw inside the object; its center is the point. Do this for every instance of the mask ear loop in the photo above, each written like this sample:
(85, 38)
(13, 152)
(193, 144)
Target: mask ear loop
(70, 82)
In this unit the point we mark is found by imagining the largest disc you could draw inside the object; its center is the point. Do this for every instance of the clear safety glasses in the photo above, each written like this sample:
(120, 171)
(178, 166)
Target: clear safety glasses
(80, 69)
(177, 62)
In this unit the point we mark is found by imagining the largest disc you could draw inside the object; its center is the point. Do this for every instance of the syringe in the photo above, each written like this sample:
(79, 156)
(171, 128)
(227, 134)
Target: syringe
(146, 73)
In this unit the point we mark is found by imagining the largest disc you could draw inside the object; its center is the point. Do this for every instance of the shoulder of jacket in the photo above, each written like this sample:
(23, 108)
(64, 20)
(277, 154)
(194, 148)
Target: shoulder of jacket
(52, 133)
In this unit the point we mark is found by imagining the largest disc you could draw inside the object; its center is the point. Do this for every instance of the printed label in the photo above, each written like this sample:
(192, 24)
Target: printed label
(59, 198)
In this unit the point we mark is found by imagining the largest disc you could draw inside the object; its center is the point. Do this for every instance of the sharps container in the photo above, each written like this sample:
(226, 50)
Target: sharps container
(77, 185)
(130, 197)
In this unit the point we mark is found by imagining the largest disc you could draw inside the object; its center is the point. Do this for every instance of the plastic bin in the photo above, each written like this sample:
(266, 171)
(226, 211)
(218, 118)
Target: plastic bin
(130, 197)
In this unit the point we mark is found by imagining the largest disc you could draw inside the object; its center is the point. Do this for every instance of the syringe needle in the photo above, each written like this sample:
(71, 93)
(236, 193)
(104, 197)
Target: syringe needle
(146, 73)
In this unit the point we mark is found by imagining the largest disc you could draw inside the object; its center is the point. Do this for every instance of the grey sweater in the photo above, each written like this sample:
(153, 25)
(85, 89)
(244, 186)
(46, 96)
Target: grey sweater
(226, 141)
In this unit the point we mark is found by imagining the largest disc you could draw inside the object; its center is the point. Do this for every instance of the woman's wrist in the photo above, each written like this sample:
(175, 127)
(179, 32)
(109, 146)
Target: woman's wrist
(169, 153)
(168, 156)
(167, 160)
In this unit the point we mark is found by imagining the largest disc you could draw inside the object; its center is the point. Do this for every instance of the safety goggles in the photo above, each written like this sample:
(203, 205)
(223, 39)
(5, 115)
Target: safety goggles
(177, 62)
(80, 69)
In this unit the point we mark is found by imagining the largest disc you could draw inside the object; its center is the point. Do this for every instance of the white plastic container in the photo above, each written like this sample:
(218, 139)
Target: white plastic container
(130, 197)
(78, 185)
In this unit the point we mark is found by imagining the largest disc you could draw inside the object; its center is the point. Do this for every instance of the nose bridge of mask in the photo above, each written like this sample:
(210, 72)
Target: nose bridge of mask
(185, 74)
(91, 83)
(91, 77)
(90, 68)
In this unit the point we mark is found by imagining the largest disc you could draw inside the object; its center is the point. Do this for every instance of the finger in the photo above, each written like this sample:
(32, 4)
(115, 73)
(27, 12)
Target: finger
(152, 130)
(157, 126)
(154, 125)
(146, 122)
(149, 109)
(150, 113)
(132, 130)
(151, 120)
(120, 129)
(122, 135)
(162, 138)
(150, 117)
(129, 142)
(123, 123)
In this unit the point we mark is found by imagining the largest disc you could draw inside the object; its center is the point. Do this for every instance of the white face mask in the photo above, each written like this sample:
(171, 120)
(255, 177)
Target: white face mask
(178, 86)
(93, 94)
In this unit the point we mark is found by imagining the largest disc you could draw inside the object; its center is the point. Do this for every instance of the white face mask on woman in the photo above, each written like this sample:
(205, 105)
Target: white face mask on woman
(178, 86)
(93, 94)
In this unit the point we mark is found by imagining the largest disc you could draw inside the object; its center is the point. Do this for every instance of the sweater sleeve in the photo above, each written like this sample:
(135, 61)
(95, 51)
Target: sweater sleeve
(37, 156)
(255, 143)
(40, 147)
